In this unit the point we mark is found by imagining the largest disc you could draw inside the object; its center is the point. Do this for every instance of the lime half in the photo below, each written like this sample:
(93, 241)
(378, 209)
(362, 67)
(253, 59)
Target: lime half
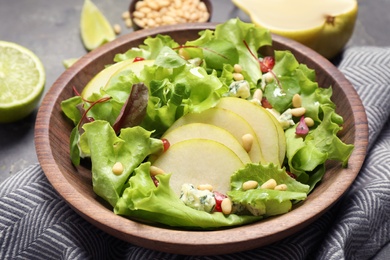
(22, 80)
(95, 28)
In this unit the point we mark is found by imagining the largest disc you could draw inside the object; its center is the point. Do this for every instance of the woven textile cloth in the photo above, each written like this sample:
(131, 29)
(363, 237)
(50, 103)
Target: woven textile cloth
(35, 223)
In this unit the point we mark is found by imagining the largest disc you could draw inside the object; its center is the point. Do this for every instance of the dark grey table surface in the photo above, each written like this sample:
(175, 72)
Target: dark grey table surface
(50, 28)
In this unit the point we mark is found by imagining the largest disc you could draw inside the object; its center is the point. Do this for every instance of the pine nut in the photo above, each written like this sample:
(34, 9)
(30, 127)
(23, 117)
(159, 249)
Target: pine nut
(155, 171)
(153, 5)
(128, 23)
(117, 28)
(202, 7)
(151, 23)
(237, 68)
(139, 22)
(125, 15)
(281, 187)
(164, 3)
(298, 112)
(168, 20)
(226, 206)
(205, 17)
(177, 3)
(205, 187)
(309, 121)
(238, 76)
(247, 142)
(270, 184)
(139, 5)
(117, 169)
(139, 14)
(145, 9)
(194, 17)
(250, 185)
(297, 100)
(255, 101)
(180, 11)
(258, 94)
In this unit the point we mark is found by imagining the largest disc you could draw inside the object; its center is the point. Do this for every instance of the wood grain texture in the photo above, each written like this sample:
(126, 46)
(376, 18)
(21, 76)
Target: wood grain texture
(52, 132)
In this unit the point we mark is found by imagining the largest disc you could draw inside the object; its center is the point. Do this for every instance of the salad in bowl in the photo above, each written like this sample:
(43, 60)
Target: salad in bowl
(205, 134)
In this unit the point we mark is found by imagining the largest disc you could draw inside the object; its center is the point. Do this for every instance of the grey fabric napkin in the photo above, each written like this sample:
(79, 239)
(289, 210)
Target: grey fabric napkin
(35, 223)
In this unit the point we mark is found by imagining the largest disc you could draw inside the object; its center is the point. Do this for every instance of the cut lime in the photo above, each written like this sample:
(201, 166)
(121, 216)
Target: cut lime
(69, 62)
(95, 28)
(22, 80)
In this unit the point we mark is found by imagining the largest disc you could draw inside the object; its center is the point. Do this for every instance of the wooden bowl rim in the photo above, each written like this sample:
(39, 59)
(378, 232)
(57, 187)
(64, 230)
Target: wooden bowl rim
(182, 241)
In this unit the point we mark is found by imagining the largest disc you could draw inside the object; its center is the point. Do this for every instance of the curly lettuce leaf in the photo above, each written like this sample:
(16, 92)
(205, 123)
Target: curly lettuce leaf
(262, 173)
(149, 50)
(243, 36)
(70, 108)
(185, 89)
(105, 148)
(307, 154)
(293, 78)
(143, 200)
(264, 201)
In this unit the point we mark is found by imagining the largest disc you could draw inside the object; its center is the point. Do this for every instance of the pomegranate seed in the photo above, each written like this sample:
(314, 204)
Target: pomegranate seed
(138, 59)
(155, 181)
(267, 64)
(166, 144)
(302, 128)
(292, 175)
(218, 200)
(265, 103)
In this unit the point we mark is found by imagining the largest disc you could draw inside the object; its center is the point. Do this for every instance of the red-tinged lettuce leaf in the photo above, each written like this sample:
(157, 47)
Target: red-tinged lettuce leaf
(219, 52)
(134, 109)
(243, 36)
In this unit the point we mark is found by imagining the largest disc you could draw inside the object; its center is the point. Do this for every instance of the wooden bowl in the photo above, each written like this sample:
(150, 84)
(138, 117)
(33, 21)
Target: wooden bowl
(52, 132)
(139, 27)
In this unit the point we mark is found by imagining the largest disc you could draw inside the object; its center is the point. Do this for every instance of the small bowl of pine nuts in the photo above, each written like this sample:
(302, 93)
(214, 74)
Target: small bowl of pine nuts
(153, 13)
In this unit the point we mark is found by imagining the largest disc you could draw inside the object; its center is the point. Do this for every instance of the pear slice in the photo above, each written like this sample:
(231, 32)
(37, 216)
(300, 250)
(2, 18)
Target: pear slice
(207, 131)
(199, 161)
(227, 120)
(263, 124)
(282, 139)
(325, 26)
(102, 78)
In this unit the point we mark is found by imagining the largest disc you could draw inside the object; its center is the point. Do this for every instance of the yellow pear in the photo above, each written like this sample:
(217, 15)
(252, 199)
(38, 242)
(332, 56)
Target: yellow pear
(268, 131)
(323, 25)
(103, 77)
(210, 132)
(228, 120)
(199, 161)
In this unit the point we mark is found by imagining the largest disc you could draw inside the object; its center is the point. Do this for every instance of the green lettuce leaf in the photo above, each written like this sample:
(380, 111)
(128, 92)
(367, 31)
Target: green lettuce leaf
(130, 148)
(186, 89)
(149, 50)
(70, 108)
(262, 173)
(265, 201)
(243, 36)
(143, 200)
